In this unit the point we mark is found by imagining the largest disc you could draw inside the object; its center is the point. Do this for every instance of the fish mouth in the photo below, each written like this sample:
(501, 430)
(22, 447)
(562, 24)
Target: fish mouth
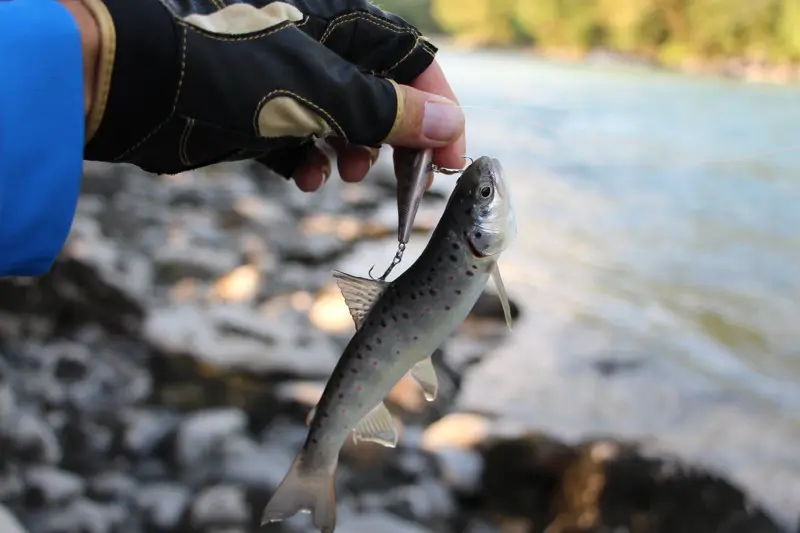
(474, 251)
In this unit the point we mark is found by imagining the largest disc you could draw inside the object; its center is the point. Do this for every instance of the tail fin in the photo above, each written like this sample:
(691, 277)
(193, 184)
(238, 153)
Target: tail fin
(304, 491)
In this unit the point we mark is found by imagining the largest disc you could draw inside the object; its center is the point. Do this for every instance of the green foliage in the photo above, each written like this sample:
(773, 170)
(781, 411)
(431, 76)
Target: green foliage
(669, 29)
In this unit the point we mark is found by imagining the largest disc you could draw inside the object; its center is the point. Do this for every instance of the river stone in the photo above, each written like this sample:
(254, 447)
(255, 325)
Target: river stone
(51, 486)
(220, 505)
(163, 504)
(202, 433)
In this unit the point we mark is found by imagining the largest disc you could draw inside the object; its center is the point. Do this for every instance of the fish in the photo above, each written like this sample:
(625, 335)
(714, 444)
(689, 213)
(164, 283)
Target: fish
(414, 171)
(399, 324)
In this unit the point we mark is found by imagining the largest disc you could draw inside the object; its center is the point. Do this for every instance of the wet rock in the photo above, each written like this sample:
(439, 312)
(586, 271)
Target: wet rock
(47, 486)
(616, 486)
(163, 505)
(427, 503)
(11, 481)
(89, 379)
(456, 430)
(146, 429)
(174, 263)
(203, 433)
(378, 521)
(80, 516)
(33, 440)
(9, 523)
(238, 338)
(461, 469)
(112, 487)
(247, 464)
(607, 485)
(219, 506)
(316, 249)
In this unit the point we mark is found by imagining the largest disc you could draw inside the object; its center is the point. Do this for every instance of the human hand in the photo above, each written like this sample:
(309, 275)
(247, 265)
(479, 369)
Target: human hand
(264, 79)
(442, 131)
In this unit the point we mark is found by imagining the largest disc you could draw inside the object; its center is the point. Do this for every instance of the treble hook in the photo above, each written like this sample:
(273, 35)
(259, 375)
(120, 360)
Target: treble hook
(398, 256)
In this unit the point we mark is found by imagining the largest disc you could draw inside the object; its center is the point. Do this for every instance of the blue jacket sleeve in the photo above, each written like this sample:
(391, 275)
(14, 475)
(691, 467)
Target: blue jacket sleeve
(41, 132)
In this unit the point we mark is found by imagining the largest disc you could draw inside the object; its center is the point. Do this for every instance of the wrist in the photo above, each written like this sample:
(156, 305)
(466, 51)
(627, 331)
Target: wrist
(90, 43)
(98, 41)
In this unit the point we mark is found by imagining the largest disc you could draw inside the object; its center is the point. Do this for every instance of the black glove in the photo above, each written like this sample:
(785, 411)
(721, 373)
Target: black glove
(186, 83)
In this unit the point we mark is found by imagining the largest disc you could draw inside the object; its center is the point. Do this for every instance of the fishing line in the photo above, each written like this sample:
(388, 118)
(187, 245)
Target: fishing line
(623, 141)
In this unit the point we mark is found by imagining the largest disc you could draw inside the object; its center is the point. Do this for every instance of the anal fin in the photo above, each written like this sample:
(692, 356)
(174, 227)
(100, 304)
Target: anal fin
(378, 427)
(425, 375)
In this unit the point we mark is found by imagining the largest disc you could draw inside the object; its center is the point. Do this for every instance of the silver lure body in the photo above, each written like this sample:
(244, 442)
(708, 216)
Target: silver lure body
(399, 325)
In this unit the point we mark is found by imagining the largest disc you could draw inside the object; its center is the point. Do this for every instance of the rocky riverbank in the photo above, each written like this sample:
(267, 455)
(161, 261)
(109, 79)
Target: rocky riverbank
(156, 381)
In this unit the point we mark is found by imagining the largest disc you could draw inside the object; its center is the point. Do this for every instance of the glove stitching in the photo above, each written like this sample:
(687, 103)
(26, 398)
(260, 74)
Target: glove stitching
(220, 4)
(285, 92)
(346, 17)
(174, 104)
(248, 37)
(411, 51)
(187, 129)
(363, 15)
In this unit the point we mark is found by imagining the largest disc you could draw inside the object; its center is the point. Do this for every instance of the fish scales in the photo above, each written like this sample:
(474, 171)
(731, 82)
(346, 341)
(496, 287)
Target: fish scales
(399, 324)
(407, 324)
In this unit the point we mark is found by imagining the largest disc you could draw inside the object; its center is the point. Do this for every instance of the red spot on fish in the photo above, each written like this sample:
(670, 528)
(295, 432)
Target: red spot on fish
(452, 278)
(398, 334)
(344, 410)
(427, 309)
(374, 363)
(359, 387)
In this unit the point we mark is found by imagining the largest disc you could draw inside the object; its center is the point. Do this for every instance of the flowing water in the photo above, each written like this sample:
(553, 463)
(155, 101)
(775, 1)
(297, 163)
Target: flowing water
(657, 260)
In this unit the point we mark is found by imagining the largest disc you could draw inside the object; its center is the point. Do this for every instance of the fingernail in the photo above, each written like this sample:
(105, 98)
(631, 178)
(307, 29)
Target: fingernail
(442, 121)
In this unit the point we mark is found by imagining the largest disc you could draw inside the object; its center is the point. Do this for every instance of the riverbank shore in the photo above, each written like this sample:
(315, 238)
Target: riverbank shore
(157, 381)
(737, 68)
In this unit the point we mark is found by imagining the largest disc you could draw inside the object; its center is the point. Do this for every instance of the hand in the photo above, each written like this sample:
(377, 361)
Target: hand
(182, 84)
(355, 161)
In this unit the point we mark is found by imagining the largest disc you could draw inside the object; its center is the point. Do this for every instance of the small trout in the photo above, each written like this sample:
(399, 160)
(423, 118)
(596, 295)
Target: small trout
(399, 324)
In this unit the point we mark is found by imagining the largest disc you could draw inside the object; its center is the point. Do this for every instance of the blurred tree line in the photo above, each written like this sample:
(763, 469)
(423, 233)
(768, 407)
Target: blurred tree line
(666, 30)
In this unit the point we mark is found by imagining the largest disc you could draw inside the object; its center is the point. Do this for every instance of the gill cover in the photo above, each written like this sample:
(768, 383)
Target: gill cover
(494, 224)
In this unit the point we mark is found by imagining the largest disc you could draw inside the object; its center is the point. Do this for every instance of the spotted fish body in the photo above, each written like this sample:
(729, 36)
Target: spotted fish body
(399, 325)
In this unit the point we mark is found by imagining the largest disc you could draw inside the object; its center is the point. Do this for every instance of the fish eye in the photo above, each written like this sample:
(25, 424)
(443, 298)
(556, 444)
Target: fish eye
(486, 191)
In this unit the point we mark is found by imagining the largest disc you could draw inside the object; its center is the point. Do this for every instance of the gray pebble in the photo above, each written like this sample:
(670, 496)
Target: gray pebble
(34, 440)
(163, 504)
(112, 486)
(80, 516)
(220, 505)
(9, 523)
(202, 433)
(52, 486)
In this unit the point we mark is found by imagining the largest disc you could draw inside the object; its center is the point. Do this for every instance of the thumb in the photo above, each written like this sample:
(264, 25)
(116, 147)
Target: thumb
(424, 120)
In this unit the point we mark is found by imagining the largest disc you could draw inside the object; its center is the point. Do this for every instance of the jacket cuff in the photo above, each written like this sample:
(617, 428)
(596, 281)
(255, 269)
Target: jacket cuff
(42, 129)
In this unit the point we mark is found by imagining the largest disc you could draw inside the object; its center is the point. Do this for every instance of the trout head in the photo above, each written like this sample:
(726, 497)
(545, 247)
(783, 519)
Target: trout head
(481, 208)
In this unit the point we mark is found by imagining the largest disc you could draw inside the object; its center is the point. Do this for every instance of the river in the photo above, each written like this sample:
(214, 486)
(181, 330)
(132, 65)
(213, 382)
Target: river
(657, 260)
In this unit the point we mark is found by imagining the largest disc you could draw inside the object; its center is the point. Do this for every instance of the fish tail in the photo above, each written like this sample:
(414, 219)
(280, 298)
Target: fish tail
(303, 490)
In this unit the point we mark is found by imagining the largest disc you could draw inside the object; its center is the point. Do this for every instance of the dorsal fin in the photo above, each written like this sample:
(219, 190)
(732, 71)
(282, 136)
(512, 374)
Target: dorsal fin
(360, 294)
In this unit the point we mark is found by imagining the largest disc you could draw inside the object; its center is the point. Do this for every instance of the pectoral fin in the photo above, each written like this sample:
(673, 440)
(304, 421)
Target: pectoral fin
(501, 292)
(425, 375)
(360, 294)
(310, 415)
(377, 426)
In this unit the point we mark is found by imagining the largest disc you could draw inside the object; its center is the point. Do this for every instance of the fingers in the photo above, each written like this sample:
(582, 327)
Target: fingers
(432, 80)
(314, 171)
(425, 120)
(353, 161)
